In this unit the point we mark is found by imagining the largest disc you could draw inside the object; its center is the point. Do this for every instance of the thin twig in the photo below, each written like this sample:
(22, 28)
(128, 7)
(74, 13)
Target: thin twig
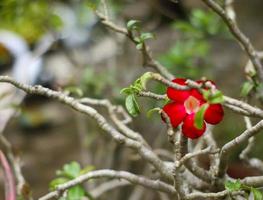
(216, 195)
(228, 147)
(237, 33)
(188, 156)
(148, 60)
(107, 186)
(244, 155)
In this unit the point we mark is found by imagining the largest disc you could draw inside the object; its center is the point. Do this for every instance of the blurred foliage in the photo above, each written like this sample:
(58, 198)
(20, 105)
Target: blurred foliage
(189, 56)
(95, 84)
(68, 172)
(30, 18)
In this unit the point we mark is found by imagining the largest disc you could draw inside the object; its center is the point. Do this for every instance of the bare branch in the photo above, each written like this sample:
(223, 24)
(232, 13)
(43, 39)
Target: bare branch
(107, 173)
(201, 195)
(253, 162)
(244, 154)
(254, 181)
(253, 111)
(227, 148)
(107, 186)
(228, 6)
(188, 156)
(242, 39)
(152, 95)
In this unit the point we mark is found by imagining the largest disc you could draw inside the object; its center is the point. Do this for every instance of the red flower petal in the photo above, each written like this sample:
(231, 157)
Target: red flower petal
(189, 129)
(178, 95)
(176, 113)
(214, 114)
(198, 95)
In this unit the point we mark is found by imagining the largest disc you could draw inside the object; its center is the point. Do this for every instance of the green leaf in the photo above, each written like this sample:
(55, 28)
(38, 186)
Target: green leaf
(137, 85)
(75, 193)
(213, 97)
(139, 46)
(151, 111)
(233, 185)
(74, 91)
(144, 79)
(199, 116)
(217, 97)
(133, 24)
(146, 36)
(71, 170)
(126, 91)
(132, 105)
(246, 88)
(54, 183)
(257, 194)
(87, 169)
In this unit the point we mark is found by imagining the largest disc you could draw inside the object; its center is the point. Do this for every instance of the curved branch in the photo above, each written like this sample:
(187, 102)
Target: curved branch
(107, 173)
(228, 147)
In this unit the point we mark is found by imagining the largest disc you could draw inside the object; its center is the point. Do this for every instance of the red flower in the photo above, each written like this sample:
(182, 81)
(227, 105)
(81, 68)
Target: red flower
(186, 103)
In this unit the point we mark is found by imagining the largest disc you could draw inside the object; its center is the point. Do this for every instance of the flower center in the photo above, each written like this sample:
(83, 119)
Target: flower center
(191, 105)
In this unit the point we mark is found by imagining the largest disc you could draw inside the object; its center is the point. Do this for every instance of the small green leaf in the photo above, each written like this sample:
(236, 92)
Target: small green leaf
(146, 36)
(150, 112)
(137, 85)
(54, 183)
(126, 91)
(133, 24)
(74, 91)
(71, 170)
(137, 40)
(87, 169)
(217, 97)
(139, 46)
(75, 193)
(132, 105)
(257, 194)
(213, 97)
(199, 116)
(233, 185)
(246, 88)
(144, 79)
(136, 88)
